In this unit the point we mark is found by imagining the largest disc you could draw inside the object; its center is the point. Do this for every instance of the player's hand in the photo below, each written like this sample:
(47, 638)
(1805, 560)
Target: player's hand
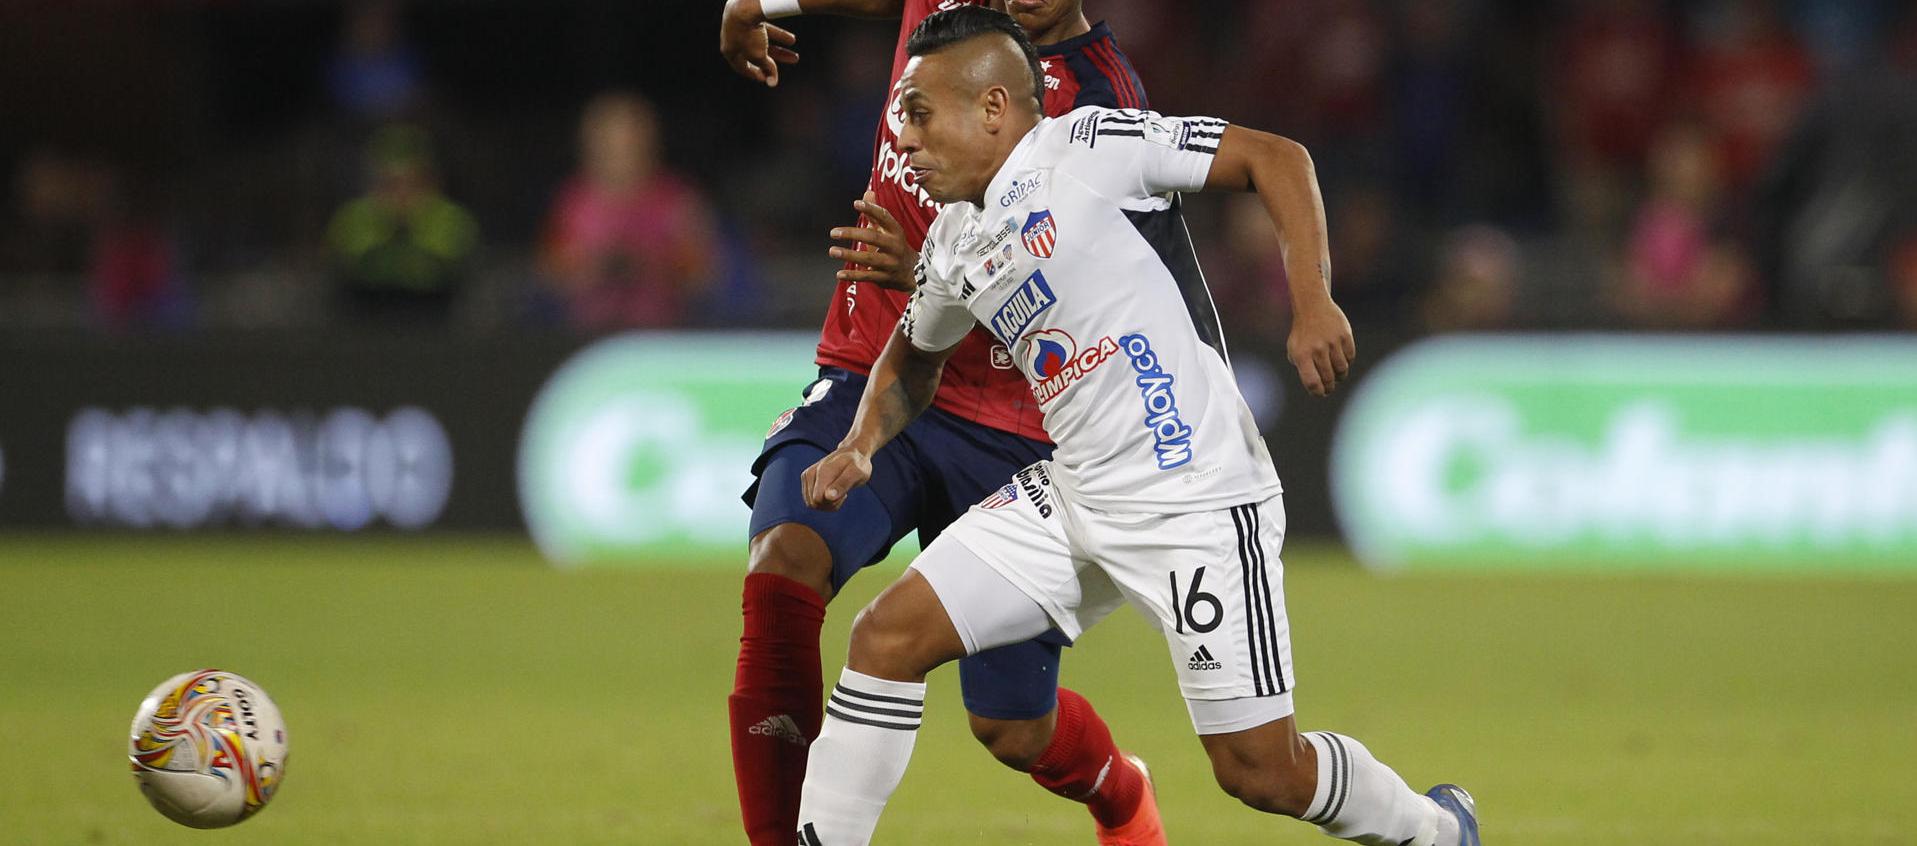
(753, 46)
(1321, 346)
(830, 481)
(885, 258)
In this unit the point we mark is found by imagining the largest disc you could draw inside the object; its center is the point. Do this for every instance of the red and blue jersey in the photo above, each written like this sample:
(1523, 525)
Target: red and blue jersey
(981, 383)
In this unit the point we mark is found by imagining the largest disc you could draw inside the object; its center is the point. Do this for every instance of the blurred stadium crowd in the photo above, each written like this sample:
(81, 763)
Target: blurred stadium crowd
(519, 165)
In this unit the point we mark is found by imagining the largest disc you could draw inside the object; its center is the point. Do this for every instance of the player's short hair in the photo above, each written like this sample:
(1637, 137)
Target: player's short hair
(943, 29)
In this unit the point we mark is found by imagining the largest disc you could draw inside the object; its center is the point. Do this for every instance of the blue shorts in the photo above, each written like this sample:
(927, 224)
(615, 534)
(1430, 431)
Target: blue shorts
(923, 480)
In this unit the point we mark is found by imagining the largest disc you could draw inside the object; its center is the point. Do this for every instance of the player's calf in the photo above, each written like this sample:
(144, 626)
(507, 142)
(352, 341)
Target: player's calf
(1269, 768)
(1331, 781)
(1015, 743)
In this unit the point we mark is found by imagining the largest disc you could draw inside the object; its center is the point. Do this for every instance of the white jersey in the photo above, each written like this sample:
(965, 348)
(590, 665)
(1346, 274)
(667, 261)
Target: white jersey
(1067, 265)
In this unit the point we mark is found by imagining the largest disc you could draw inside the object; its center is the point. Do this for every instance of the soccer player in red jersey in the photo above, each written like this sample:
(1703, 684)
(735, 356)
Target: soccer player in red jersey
(985, 425)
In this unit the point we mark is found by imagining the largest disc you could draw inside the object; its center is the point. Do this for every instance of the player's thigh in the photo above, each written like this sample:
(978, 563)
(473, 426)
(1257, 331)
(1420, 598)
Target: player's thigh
(1014, 682)
(1213, 584)
(965, 463)
(1018, 537)
(859, 534)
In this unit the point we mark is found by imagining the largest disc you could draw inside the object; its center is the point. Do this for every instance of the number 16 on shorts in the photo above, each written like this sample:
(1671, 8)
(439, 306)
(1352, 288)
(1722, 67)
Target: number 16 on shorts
(1228, 636)
(1200, 612)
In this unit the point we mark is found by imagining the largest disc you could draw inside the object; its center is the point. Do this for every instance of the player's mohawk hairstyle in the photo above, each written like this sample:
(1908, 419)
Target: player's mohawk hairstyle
(940, 30)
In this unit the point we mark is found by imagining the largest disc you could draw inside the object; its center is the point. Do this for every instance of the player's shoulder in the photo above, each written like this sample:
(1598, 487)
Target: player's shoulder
(949, 224)
(1086, 132)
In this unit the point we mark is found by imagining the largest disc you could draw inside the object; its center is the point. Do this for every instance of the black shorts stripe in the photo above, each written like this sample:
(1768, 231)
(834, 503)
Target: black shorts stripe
(1251, 617)
(1262, 571)
(873, 697)
(841, 715)
(809, 836)
(1259, 628)
(850, 705)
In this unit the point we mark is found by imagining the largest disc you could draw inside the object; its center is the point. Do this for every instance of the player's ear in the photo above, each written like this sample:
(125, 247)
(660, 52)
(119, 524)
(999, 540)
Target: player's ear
(996, 102)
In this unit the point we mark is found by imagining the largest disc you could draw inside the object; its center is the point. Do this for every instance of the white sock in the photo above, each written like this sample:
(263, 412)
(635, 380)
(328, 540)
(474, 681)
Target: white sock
(858, 758)
(1362, 800)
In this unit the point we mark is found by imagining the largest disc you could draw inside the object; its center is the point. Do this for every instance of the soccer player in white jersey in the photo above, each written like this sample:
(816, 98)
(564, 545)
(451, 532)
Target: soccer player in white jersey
(1160, 492)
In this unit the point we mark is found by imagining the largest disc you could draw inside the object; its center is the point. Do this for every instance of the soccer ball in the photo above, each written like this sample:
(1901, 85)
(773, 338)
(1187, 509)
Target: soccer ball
(208, 748)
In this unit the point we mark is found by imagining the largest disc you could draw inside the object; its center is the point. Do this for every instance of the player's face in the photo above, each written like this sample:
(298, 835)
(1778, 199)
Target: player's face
(946, 141)
(1038, 16)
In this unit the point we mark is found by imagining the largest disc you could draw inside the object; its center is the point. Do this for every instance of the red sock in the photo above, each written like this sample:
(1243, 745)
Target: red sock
(1081, 749)
(777, 704)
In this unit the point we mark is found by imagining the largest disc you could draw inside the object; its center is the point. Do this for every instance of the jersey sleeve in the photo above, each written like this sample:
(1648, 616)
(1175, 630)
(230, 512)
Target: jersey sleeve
(935, 317)
(1134, 153)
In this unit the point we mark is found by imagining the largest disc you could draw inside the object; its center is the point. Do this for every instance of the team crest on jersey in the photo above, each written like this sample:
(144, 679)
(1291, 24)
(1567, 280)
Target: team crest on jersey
(1002, 497)
(1040, 233)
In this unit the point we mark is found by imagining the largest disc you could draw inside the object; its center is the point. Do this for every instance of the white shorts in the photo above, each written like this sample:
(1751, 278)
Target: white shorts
(1210, 581)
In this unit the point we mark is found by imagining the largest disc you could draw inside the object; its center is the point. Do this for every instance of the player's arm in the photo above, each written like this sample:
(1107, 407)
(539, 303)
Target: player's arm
(901, 387)
(755, 47)
(1281, 172)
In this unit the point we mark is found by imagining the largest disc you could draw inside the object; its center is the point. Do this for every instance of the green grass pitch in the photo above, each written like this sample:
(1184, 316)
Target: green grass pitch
(453, 690)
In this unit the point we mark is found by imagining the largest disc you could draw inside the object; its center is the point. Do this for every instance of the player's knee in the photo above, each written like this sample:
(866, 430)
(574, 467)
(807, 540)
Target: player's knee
(1273, 784)
(1015, 743)
(887, 644)
(794, 552)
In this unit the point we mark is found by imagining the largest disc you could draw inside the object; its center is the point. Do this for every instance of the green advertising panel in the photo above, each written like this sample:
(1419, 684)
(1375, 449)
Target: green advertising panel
(1697, 453)
(636, 451)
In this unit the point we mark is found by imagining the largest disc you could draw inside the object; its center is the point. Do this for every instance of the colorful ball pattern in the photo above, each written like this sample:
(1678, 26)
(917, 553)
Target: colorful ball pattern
(209, 748)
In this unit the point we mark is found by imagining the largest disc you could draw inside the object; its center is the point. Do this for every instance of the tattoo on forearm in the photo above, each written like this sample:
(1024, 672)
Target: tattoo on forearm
(906, 398)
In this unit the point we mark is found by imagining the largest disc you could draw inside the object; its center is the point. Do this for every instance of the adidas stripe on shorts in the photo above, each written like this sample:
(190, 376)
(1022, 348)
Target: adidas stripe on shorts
(1210, 581)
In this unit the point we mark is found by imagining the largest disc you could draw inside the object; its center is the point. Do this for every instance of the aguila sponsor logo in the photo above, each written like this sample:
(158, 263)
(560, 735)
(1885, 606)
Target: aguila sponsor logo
(1056, 363)
(1172, 436)
(1024, 306)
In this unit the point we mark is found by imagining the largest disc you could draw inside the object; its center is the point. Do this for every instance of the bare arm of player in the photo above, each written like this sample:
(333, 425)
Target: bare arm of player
(887, 258)
(900, 388)
(1281, 172)
(755, 47)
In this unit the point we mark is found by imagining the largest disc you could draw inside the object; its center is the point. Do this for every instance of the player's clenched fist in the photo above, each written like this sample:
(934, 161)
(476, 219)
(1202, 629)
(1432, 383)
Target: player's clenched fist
(1321, 346)
(883, 254)
(828, 482)
(753, 46)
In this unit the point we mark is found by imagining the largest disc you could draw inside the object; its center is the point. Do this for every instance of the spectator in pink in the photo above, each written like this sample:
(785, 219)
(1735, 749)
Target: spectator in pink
(1680, 271)
(628, 243)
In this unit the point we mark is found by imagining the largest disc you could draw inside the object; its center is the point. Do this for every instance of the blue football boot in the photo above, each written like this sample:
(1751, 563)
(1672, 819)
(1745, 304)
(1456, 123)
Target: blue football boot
(1453, 799)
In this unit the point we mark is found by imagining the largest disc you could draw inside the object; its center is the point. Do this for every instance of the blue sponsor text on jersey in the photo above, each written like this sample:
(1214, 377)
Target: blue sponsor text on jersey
(1172, 436)
(1017, 313)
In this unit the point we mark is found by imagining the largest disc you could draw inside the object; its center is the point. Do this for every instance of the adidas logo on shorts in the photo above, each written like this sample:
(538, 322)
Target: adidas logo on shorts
(1202, 660)
(780, 726)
